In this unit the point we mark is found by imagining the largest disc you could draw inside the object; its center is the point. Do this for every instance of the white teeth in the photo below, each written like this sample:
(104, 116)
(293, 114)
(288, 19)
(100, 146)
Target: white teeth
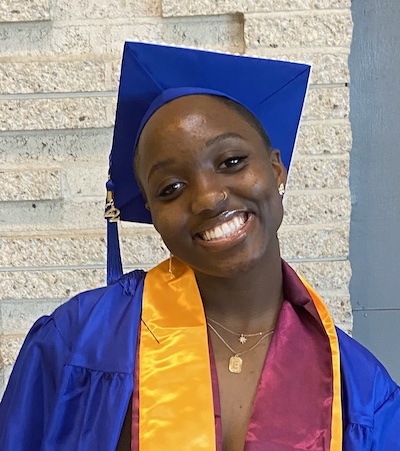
(224, 230)
(218, 232)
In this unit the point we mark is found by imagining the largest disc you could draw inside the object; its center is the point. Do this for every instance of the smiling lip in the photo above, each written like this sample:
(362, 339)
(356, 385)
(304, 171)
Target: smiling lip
(226, 232)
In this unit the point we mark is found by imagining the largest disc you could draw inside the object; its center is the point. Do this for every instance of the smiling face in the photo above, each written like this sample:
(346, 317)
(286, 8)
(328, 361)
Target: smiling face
(211, 185)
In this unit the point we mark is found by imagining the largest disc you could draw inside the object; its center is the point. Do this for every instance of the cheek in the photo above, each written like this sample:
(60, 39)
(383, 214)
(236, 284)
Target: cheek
(161, 223)
(167, 223)
(265, 190)
(261, 183)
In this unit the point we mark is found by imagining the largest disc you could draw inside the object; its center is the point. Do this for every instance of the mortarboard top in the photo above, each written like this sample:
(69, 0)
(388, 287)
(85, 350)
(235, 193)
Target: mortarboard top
(151, 75)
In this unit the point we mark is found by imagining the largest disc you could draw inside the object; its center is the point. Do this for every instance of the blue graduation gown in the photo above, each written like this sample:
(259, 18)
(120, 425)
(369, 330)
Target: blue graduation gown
(73, 379)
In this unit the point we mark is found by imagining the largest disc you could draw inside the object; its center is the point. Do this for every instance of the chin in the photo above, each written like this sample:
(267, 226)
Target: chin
(230, 268)
(255, 255)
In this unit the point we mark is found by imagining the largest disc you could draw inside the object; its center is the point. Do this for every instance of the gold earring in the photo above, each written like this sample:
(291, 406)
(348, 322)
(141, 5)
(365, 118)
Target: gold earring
(281, 189)
(225, 196)
(170, 268)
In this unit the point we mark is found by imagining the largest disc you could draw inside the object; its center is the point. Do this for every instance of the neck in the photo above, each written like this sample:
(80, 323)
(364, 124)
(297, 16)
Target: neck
(248, 302)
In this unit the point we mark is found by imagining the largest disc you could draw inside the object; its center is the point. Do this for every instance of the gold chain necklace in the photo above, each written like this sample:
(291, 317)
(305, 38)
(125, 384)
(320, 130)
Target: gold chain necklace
(235, 362)
(242, 337)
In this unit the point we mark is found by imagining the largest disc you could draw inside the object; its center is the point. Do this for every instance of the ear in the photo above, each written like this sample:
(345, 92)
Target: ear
(278, 167)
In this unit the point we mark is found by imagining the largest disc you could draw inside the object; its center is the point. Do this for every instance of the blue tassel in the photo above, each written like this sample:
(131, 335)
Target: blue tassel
(114, 262)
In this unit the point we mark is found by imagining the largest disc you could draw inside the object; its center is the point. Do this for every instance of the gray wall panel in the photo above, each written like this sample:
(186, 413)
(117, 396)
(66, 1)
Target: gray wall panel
(376, 330)
(375, 177)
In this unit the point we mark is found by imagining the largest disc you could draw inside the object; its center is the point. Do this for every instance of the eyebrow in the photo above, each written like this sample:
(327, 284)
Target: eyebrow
(159, 165)
(219, 138)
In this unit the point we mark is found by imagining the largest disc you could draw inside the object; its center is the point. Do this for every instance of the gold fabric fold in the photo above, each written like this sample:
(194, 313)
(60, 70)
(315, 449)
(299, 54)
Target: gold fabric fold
(176, 408)
(327, 322)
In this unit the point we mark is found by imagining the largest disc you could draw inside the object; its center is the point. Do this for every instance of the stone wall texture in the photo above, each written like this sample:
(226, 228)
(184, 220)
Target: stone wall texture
(59, 69)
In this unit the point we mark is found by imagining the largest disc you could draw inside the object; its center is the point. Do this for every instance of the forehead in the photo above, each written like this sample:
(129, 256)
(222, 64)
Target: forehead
(191, 114)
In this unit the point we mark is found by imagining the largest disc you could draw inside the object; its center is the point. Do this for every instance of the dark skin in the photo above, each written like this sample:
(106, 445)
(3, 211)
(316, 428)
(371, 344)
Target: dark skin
(192, 151)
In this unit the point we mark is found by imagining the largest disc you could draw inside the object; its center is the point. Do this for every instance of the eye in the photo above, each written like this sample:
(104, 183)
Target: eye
(232, 162)
(171, 189)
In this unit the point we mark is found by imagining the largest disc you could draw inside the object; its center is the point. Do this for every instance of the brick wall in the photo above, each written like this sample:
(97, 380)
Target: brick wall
(59, 68)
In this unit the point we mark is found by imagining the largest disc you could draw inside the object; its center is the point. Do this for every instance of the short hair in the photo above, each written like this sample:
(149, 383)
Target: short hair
(249, 117)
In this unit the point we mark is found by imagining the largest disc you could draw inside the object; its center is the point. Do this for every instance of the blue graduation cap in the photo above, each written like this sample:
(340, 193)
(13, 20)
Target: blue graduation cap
(152, 75)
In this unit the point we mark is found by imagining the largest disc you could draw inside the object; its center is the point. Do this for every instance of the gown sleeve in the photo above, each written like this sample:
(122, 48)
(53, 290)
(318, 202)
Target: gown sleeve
(28, 401)
(386, 429)
(370, 400)
(73, 379)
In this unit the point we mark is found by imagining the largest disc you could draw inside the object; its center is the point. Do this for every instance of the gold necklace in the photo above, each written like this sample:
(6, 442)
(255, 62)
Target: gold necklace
(235, 362)
(242, 337)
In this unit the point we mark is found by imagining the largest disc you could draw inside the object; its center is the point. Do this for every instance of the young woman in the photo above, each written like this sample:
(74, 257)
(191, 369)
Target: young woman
(222, 347)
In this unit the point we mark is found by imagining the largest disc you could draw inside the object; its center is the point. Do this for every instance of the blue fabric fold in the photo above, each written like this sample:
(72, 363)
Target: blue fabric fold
(370, 399)
(73, 379)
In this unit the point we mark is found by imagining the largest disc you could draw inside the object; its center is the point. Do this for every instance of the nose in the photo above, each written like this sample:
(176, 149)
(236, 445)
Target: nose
(208, 196)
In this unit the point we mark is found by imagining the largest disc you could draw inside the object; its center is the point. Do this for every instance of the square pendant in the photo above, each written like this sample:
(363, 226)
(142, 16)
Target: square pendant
(235, 364)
